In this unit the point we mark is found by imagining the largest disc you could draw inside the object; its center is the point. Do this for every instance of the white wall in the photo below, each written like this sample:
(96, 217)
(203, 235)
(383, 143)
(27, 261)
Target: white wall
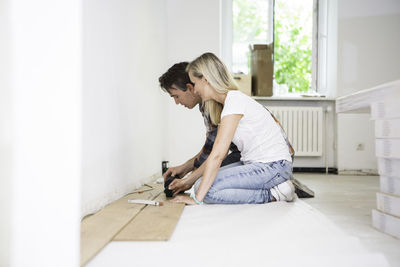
(353, 130)
(43, 161)
(368, 55)
(5, 133)
(193, 28)
(103, 122)
(124, 123)
(368, 44)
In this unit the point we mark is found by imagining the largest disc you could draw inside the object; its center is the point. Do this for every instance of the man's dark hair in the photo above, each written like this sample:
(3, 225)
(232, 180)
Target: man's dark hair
(175, 75)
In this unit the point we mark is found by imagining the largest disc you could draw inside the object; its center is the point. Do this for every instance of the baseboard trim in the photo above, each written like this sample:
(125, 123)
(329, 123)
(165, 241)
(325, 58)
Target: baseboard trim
(94, 206)
(315, 170)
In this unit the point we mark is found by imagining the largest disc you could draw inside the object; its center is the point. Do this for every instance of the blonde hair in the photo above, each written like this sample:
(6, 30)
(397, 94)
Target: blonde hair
(220, 79)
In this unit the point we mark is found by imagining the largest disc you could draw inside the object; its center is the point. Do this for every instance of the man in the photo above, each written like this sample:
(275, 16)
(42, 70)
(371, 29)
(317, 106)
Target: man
(176, 82)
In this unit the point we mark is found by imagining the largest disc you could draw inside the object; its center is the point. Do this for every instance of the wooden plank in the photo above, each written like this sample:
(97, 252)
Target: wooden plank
(99, 229)
(154, 223)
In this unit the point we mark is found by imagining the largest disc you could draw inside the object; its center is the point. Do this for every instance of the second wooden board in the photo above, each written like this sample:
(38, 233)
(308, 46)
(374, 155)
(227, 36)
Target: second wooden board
(153, 223)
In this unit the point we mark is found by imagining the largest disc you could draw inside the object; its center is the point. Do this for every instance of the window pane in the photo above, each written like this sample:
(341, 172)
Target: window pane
(251, 23)
(293, 44)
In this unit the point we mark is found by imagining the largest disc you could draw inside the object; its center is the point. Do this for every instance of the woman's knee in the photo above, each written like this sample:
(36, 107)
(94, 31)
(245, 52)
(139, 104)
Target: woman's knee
(213, 197)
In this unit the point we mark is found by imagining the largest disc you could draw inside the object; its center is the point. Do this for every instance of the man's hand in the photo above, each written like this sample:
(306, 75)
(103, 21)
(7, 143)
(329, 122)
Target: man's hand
(184, 199)
(178, 171)
(179, 185)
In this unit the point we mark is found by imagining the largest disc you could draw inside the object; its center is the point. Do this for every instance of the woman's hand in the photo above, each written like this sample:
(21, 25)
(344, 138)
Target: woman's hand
(183, 199)
(179, 185)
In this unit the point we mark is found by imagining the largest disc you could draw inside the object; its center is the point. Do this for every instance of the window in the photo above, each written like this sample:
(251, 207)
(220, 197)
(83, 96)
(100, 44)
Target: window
(292, 25)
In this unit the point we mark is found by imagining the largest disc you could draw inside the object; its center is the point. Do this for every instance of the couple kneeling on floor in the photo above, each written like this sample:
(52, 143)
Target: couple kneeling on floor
(259, 167)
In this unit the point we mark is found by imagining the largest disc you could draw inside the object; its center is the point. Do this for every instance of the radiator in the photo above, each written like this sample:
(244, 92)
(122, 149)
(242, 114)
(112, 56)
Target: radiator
(304, 128)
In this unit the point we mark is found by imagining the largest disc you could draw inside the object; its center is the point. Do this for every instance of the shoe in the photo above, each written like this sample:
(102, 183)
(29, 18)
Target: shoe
(283, 191)
(301, 190)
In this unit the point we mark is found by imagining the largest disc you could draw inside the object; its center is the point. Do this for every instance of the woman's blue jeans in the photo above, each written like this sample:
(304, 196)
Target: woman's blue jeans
(241, 183)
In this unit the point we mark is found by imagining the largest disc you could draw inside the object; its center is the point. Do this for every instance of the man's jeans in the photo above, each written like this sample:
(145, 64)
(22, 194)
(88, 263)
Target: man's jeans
(241, 183)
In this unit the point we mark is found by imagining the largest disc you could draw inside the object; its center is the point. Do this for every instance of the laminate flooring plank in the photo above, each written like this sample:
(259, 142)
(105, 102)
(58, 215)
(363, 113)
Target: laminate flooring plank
(100, 228)
(153, 223)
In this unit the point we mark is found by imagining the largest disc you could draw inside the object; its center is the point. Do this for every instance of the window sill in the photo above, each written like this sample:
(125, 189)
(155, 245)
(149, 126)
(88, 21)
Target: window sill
(294, 98)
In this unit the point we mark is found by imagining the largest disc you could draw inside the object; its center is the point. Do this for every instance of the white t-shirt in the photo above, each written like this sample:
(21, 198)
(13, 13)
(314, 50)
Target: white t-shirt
(258, 136)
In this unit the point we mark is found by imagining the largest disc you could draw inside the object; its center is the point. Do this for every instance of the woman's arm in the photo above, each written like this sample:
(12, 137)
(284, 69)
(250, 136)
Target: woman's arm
(226, 131)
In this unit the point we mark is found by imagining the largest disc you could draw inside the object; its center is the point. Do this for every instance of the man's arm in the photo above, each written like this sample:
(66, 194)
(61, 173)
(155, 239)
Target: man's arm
(186, 167)
(179, 185)
(183, 169)
(198, 161)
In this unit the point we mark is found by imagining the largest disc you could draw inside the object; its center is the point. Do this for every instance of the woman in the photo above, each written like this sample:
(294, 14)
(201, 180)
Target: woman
(265, 168)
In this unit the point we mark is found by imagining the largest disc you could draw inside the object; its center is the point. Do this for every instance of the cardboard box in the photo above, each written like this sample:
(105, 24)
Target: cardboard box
(244, 82)
(262, 69)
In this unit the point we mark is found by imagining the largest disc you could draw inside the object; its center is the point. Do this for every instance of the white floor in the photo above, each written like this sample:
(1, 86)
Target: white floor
(347, 201)
(333, 229)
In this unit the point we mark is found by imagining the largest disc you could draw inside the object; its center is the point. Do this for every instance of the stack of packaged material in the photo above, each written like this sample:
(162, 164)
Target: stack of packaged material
(386, 114)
